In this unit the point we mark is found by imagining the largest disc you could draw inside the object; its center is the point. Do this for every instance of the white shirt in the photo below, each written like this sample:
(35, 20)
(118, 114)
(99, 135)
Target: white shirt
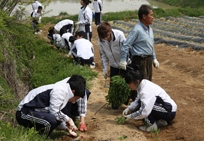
(111, 51)
(66, 37)
(36, 14)
(58, 41)
(85, 17)
(97, 6)
(84, 48)
(36, 4)
(62, 23)
(148, 92)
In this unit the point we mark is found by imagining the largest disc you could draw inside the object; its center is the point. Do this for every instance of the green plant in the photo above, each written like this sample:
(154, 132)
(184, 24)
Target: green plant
(120, 120)
(155, 133)
(122, 137)
(118, 92)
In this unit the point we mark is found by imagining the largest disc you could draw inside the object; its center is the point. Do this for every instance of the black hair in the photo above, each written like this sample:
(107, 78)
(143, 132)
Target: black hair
(81, 34)
(72, 39)
(143, 10)
(132, 76)
(40, 7)
(79, 88)
(77, 77)
(86, 1)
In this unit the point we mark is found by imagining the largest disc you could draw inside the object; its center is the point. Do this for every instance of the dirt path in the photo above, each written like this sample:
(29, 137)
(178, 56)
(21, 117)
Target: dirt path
(181, 74)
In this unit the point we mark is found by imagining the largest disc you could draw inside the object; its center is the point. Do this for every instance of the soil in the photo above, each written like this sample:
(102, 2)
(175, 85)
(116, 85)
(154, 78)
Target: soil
(181, 74)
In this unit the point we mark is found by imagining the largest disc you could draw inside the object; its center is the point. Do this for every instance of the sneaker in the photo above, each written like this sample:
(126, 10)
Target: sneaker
(36, 32)
(146, 128)
(161, 123)
(92, 66)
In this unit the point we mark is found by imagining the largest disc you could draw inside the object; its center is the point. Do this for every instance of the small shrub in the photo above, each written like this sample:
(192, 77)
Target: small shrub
(118, 92)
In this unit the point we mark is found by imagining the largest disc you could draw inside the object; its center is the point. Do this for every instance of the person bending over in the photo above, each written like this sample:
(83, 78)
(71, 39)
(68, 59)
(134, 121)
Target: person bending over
(152, 103)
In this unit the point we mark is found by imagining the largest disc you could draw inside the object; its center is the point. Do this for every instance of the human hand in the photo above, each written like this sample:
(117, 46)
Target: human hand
(83, 127)
(126, 111)
(156, 63)
(128, 117)
(123, 64)
(105, 74)
(71, 125)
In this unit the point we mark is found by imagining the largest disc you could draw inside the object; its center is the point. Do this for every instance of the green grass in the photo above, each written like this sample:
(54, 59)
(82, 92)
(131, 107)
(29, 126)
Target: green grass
(127, 15)
(33, 62)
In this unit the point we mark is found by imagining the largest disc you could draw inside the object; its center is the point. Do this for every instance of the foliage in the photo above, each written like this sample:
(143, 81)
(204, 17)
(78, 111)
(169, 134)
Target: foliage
(120, 120)
(184, 3)
(118, 92)
(9, 132)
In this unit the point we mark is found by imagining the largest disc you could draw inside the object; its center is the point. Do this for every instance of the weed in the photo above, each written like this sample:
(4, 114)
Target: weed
(120, 120)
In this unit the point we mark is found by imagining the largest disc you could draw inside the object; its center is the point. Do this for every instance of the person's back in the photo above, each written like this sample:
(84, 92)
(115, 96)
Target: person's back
(36, 4)
(84, 48)
(62, 23)
(150, 90)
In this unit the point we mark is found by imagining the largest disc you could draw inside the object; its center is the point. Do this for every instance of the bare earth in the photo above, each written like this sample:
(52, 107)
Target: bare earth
(181, 74)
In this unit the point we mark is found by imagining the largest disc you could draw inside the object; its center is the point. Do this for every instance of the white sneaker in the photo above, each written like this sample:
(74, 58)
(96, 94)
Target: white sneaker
(92, 66)
(40, 30)
(161, 123)
(36, 32)
(146, 128)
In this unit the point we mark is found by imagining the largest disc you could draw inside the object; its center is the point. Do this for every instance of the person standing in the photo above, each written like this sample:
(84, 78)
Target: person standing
(97, 6)
(141, 41)
(85, 19)
(152, 103)
(36, 19)
(110, 42)
(44, 108)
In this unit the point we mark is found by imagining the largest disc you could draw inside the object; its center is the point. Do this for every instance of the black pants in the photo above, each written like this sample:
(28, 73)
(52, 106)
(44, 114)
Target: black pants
(66, 28)
(43, 122)
(116, 71)
(35, 25)
(83, 62)
(97, 18)
(144, 65)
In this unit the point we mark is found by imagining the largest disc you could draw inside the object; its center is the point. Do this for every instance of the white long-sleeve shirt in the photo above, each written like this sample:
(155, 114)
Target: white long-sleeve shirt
(36, 4)
(62, 23)
(97, 6)
(148, 93)
(84, 48)
(111, 51)
(84, 18)
(66, 37)
(81, 102)
(51, 98)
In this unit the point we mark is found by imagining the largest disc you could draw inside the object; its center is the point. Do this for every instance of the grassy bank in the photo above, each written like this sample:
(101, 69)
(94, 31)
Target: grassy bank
(27, 62)
(127, 15)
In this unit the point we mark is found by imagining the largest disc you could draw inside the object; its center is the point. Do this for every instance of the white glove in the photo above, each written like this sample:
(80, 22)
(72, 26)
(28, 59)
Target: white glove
(71, 124)
(156, 63)
(105, 73)
(78, 23)
(126, 111)
(123, 65)
(128, 117)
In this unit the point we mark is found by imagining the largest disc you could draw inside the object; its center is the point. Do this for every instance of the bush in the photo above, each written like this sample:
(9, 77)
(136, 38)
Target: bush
(118, 92)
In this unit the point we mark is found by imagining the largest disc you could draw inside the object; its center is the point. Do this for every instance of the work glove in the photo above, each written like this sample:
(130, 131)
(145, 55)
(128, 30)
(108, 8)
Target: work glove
(128, 117)
(71, 125)
(105, 73)
(126, 111)
(78, 23)
(123, 64)
(83, 127)
(156, 63)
